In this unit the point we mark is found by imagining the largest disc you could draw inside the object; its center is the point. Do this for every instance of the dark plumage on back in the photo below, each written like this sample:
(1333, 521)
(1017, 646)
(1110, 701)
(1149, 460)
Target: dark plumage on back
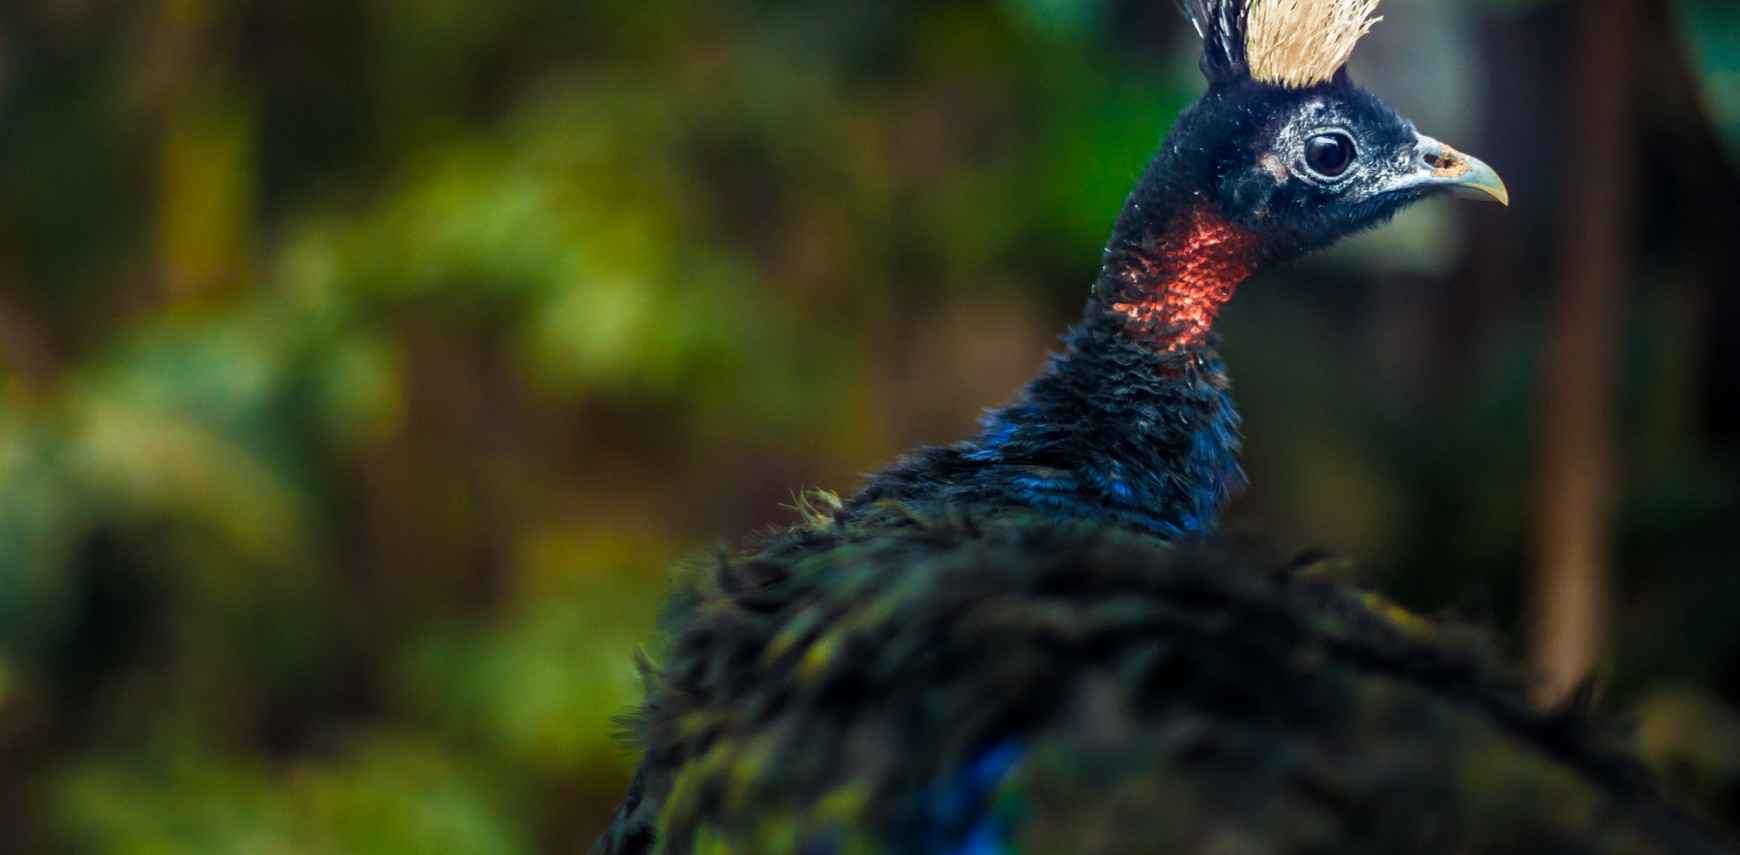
(1020, 643)
(951, 686)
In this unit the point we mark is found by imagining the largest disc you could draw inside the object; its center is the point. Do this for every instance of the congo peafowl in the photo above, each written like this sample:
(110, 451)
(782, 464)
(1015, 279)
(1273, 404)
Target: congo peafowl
(1024, 643)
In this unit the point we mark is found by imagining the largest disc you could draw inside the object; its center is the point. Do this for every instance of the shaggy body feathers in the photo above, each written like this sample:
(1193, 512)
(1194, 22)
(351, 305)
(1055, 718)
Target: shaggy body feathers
(954, 684)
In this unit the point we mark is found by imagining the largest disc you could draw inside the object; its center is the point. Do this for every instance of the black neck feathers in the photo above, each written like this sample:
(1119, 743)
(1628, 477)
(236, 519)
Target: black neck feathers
(1132, 424)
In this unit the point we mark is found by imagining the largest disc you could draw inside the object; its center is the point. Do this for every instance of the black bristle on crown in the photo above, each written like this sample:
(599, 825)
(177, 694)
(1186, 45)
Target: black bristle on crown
(1221, 24)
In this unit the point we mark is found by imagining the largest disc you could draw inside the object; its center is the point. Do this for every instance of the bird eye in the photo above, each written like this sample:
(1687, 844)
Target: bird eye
(1329, 154)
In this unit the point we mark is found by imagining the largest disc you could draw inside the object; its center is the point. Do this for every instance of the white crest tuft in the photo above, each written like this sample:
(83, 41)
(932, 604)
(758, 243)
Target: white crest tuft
(1300, 43)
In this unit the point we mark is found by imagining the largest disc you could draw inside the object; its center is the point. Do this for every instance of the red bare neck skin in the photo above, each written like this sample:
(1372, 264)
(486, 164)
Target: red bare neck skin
(1172, 288)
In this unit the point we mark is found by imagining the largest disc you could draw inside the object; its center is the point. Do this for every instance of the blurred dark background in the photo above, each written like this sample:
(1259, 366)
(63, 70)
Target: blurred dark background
(364, 365)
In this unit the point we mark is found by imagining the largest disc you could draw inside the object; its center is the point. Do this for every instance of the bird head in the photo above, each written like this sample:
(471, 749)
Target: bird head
(1322, 162)
(1285, 145)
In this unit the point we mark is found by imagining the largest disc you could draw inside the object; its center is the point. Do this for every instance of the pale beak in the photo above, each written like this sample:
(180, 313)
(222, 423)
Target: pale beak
(1438, 166)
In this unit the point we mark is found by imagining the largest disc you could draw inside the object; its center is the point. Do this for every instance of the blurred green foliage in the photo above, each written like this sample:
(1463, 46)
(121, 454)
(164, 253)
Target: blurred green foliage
(363, 367)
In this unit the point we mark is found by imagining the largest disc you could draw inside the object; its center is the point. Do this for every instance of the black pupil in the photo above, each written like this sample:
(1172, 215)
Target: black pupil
(1329, 154)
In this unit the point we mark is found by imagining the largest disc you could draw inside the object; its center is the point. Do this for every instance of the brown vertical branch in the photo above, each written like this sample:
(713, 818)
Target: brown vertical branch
(1575, 486)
